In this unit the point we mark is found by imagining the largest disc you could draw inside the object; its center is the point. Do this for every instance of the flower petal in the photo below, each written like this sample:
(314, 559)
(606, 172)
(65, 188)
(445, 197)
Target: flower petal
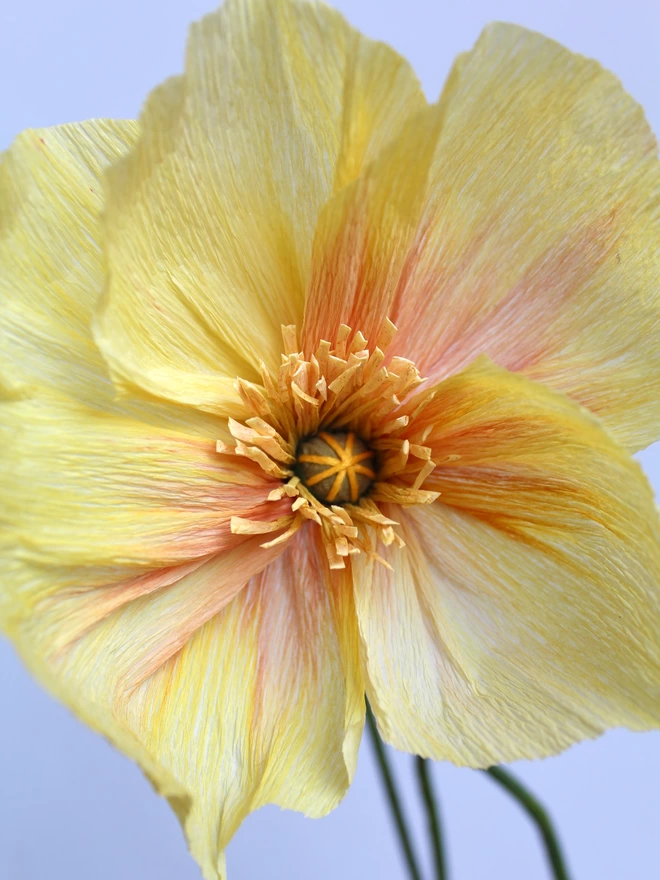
(210, 219)
(52, 274)
(264, 703)
(523, 613)
(88, 498)
(529, 230)
(52, 270)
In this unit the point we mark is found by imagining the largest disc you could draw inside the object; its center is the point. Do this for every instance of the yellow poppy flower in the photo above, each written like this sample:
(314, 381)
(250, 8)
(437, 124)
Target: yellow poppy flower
(229, 505)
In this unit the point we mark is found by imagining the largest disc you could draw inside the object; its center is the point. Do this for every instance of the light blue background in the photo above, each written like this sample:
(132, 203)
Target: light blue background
(71, 808)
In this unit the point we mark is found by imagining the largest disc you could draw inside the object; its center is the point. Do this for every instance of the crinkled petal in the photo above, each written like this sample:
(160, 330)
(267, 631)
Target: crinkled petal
(52, 270)
(526, 227)
(523, 614)
(210, 219)
(88, 498)
(263, 703)
(51, 267)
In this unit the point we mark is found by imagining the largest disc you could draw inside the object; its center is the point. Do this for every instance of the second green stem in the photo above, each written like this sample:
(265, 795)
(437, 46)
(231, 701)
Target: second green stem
(433, 818)
(393, 797)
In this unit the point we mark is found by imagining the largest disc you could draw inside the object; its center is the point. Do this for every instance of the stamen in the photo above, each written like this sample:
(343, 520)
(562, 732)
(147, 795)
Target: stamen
(340, 429)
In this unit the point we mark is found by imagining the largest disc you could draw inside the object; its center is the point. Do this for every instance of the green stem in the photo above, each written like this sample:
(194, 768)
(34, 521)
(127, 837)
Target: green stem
(393, 796)
(538, 814)
(433, 818)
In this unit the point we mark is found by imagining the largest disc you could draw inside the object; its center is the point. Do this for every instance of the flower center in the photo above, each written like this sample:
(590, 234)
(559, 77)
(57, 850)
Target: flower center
(335, 467)
(317, 427)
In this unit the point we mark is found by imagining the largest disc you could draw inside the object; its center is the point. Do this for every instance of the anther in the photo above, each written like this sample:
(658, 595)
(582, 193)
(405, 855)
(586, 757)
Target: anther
(337, 467)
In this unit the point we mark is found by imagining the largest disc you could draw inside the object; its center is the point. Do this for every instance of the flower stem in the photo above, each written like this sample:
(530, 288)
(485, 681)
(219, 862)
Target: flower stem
(433, 817)
(393, 797)
(538, 814)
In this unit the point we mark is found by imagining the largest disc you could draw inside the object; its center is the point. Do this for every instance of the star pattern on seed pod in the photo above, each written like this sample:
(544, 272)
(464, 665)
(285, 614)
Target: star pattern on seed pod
(340, 477)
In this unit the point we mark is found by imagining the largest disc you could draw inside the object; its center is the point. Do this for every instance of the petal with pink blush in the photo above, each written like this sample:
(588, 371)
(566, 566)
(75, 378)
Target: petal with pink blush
(227, 703)
(210, 219)
(527, 228)
(89, 500)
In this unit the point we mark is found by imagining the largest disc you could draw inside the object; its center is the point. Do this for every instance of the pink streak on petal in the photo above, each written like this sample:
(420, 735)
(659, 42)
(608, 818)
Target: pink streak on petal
(87, 607)
(293, 590)
(443, 327)
(190, 605)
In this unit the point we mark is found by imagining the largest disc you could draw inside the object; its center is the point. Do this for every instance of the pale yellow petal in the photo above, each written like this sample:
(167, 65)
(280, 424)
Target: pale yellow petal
(52, 270)
(264, 703)
(210, 219)
(88, 499)
(51, 267)
(527, 228)
(523, 614)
